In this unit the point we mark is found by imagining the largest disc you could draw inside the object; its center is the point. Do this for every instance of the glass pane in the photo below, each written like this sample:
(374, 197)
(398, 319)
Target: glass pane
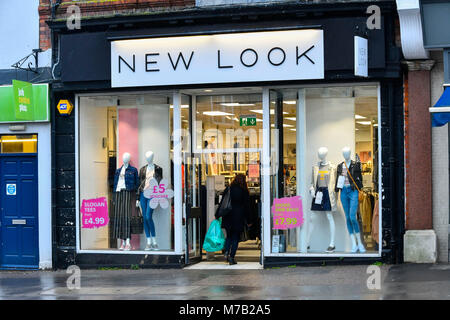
(283, 158)
(228, 140)
(335, 118)
(18, 144)
(192, 204)
(125, 165)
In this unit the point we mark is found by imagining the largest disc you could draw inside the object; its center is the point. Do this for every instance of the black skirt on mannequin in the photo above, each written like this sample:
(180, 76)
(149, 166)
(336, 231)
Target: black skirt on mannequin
(325, 205)
(122, 209)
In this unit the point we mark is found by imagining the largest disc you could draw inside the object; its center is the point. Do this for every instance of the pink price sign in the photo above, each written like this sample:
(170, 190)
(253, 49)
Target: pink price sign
(158, 193)
(94, 213)
(287, 213)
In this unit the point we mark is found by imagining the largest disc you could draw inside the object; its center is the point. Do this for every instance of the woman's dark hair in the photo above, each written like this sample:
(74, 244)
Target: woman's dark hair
(240, 180)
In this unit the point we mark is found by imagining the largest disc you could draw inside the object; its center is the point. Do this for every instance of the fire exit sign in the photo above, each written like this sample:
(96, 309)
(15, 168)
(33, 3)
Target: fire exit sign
(247, 121)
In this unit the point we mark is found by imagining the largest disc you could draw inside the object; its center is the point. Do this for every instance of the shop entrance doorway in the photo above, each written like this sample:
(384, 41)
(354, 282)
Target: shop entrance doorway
(201, 198)
(225, 139)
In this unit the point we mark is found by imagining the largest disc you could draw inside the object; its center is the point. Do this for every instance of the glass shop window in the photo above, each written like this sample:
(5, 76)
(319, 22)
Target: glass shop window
(328, 139)
(126, 173)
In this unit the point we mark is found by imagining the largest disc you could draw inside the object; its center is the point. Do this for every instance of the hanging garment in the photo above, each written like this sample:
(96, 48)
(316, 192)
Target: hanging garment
(365, 208)
(375, 222)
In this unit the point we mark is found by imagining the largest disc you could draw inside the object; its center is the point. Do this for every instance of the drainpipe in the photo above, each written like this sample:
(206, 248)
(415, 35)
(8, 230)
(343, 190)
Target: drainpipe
(54, 6)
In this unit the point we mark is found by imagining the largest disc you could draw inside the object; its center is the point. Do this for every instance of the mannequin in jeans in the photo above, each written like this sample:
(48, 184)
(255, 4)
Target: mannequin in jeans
(323, 180)
(349, 200)
(144, 203)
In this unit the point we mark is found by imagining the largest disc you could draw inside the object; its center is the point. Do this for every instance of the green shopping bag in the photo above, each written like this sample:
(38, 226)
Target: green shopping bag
(214, 238)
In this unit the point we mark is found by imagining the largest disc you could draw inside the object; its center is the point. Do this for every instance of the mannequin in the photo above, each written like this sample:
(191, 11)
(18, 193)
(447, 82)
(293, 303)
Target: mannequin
(146, 173)
(349, 196)
(125, 184)
(323, 185)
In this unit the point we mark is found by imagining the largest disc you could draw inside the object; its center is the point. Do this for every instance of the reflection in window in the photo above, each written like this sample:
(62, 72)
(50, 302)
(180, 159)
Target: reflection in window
(334, 118)
(113, 184)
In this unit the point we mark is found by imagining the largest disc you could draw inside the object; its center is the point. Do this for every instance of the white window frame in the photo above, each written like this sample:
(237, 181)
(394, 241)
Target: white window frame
(265, 151)
(178, 241)
(266, 179)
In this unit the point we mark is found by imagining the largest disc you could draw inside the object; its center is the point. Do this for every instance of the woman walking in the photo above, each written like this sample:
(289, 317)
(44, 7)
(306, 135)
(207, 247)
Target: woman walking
(234, 221)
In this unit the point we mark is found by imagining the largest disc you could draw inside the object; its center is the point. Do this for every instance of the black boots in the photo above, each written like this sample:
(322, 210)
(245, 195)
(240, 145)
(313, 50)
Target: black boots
(231, 261)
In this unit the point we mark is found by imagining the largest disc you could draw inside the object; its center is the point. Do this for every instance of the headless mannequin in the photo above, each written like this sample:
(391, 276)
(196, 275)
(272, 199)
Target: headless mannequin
(355, 237)
(125, 245)
(322, 155)
(149, 155)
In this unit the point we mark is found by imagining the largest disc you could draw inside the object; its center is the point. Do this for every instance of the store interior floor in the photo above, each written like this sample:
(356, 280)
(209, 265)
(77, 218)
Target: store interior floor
(247, 257)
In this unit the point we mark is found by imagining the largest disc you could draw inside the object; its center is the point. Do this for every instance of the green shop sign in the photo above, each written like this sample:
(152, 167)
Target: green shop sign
(24, 102)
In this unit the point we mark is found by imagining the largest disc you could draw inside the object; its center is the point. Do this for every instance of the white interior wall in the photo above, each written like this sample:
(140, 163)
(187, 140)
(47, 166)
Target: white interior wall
(329, 123)
(93, 166)
(154, 135)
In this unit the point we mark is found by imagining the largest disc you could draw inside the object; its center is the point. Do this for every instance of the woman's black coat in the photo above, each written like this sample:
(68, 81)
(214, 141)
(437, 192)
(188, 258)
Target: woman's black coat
(238, 217)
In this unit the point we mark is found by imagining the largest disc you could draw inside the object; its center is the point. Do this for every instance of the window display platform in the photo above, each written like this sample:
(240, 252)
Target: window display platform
(127, 261)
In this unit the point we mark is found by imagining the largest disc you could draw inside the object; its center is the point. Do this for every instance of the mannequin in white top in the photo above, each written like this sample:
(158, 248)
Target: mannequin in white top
(125, 245)
(149, 174)
(355, 237)
(324, 171)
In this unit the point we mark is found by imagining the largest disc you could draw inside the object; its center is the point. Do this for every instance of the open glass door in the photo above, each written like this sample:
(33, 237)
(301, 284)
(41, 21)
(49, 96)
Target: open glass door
(191, 207)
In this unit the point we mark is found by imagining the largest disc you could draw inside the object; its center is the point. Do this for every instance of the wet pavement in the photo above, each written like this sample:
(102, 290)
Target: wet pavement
(405, 281)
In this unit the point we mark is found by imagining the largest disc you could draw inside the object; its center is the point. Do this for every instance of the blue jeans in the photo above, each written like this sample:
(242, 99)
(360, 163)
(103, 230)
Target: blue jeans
(147, 213)
(349, 200)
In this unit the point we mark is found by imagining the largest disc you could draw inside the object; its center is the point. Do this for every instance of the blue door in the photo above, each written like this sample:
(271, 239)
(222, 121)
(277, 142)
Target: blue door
(19, 246)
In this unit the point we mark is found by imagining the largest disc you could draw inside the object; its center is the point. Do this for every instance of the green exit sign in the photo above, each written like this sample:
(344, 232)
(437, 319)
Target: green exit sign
(247, 121)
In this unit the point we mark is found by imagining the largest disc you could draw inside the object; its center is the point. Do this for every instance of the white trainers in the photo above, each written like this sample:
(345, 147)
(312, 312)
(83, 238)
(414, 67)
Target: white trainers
(127, 247)
(361, 248)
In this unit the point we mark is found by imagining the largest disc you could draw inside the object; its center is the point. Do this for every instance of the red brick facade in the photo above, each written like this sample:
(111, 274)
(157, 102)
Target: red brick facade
(99, 8)
(418, 186)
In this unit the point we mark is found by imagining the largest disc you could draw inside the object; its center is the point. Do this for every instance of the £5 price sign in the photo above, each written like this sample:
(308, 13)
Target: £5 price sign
(158, 193)
(94, 213)
(287, 213)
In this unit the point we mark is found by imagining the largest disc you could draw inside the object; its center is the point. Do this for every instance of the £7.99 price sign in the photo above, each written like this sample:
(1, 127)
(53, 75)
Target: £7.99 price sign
(287, 213)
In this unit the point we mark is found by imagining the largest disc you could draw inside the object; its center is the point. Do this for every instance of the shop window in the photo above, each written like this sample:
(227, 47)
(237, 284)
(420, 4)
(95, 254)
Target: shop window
(18, 144)
(318, 129)
(125, 172)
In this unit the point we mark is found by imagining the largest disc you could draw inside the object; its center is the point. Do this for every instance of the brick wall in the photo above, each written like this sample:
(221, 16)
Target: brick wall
(102, 8)
(44, 30)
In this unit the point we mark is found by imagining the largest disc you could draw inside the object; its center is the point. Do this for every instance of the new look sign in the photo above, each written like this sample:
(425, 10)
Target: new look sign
(222, 58)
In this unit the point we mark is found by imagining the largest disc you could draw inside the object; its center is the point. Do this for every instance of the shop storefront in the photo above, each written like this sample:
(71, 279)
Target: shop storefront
(165, 117)
(25, 171)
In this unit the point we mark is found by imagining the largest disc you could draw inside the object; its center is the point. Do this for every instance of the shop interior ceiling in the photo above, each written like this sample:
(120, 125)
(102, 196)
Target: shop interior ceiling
(234, 102)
